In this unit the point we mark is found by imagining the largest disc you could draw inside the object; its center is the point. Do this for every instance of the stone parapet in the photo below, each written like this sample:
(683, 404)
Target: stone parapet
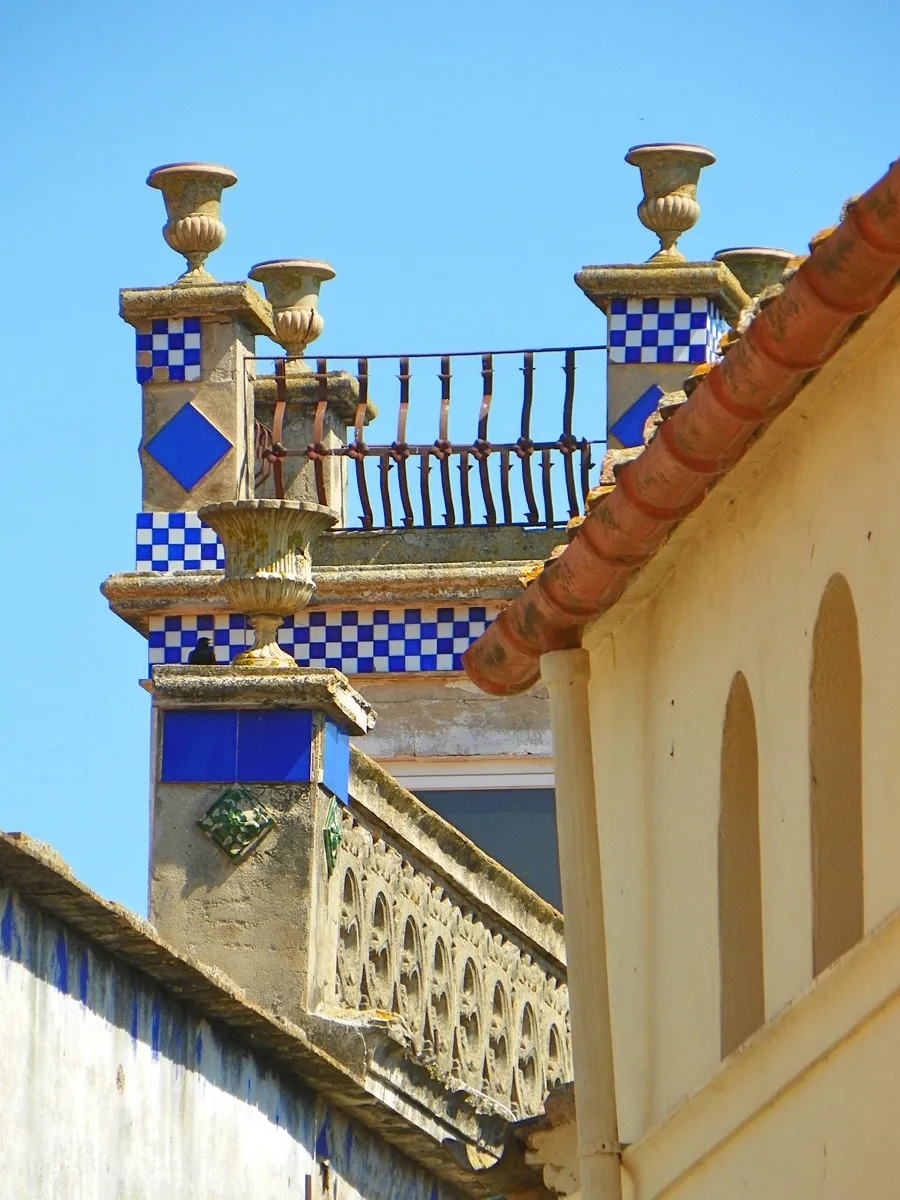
(455, 968)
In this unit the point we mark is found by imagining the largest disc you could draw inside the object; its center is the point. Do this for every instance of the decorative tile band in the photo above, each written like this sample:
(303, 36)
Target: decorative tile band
(168, 351)
(668, 330)
(366, 642)
(177, 541)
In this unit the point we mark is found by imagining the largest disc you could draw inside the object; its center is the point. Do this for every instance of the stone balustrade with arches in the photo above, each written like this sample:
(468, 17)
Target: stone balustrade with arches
(428, 940)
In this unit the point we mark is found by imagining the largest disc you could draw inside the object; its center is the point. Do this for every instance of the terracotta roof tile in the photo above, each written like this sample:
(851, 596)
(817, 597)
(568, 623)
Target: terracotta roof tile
(792, 334)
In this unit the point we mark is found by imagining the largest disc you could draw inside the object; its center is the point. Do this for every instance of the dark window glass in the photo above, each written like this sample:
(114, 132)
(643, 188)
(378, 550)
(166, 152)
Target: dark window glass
(516, 826)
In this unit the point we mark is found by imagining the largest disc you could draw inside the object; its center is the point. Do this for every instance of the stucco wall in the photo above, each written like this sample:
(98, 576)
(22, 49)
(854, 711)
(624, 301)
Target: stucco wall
(114, 1089)
(738, 588)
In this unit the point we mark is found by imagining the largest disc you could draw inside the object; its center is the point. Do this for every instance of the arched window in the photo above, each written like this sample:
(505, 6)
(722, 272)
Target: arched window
(740, 886)
(835, 776)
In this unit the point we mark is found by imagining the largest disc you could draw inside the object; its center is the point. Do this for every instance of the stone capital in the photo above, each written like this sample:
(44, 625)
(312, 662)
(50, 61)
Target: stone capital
(325, 690)
(238, 302)
(655, 280)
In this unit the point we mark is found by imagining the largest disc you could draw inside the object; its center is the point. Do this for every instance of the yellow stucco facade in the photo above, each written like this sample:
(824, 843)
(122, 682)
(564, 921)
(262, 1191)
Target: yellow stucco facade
(740, 710)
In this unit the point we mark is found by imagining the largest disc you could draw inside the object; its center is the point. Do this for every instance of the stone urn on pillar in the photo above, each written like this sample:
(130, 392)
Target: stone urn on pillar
(268, 569)
(193, 197)
(292, 288)
(755, 267)
(669, 176)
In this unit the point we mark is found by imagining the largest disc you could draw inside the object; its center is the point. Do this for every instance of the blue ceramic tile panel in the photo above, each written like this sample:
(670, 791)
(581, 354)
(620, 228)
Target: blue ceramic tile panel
(336, 775)
(199, 746)
(684, 329)
(188, 447)
(170, 351)
(629, 428)
(176, 541)
(367, 642)
(171, 639)
(274, 746)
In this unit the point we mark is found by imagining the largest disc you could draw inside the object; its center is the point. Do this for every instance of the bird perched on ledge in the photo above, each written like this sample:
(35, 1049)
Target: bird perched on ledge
(203, 654)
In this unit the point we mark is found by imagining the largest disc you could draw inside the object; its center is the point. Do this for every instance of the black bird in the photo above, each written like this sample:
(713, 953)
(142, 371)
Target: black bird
(203, 654)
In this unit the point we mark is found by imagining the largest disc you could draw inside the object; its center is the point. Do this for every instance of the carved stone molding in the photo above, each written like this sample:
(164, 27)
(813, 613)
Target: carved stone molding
(475, 1007)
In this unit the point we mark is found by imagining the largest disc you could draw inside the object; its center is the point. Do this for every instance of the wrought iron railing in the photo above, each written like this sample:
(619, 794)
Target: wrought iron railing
(402, 483)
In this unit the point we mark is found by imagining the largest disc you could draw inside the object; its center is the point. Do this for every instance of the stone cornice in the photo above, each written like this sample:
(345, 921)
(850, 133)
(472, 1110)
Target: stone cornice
(215, 301)
(307, 688)
(602, 284)
(135, 596)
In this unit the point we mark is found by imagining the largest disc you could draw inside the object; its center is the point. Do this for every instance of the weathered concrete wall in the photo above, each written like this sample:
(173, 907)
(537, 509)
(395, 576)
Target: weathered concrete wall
(430, 716)
(114, 1090)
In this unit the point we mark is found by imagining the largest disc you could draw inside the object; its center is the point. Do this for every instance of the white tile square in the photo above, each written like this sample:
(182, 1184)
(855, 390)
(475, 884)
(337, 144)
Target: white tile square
(191, 373)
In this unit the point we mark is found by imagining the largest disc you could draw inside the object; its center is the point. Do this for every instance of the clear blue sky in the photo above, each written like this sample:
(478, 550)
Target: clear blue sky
(457, 163)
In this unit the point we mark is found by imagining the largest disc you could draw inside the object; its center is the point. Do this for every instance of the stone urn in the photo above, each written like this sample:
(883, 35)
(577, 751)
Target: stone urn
(755, 267)
(268, 569)
(193, 196)
(669, 176)
(292, 288)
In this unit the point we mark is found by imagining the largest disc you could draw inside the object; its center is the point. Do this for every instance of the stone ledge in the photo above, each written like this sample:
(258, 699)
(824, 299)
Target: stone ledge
(235, 687)
(602, 284)
(135, 596)
(215, 301)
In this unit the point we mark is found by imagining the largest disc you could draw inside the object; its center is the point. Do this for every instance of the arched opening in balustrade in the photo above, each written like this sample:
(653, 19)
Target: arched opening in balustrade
(835, 776)
(742, 996)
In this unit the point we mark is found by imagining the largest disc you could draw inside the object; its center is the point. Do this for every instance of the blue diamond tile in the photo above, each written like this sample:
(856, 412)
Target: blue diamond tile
(188, 447)
(629, 428)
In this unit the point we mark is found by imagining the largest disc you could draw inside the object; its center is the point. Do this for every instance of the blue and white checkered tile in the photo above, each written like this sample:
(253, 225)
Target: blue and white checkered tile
(168, 350)
(173, 638)
(177, 541)
(369, 642)
(669, 330)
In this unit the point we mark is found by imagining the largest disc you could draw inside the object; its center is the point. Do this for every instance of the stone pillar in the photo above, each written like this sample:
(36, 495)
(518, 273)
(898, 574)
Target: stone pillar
(666, 316)
(303, 393)
(193, 343)
(249, 770)
(664, 319)
(567, 675)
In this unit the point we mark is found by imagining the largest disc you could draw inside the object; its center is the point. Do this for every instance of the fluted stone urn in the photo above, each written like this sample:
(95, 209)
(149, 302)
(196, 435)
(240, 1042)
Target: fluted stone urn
(669, 176)
(755, 267)
(193, 196)
(268, 569)
(292, 288)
